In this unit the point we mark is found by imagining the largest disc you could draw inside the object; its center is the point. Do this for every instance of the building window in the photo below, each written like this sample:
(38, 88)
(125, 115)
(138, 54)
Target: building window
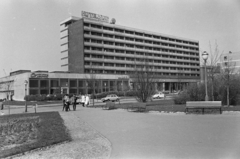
(44, 91)
(54, 83)
(43, 83)
(64, 82)
(73, 83)
(33, 91)
(73, 91)
(33, 83)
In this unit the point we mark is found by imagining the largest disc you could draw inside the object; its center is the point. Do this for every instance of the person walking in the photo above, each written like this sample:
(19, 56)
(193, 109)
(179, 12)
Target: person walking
(67, 103)
(87, 100)
(74, 102)
(63, 99)
(83, 100)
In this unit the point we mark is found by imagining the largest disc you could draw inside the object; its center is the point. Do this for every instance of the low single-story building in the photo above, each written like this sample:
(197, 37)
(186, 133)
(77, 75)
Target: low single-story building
(24, 82)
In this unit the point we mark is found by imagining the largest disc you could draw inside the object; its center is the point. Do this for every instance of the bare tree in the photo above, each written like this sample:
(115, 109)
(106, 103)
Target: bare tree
(227, 72)
(92, 82)
(213, 69)
(144, 79)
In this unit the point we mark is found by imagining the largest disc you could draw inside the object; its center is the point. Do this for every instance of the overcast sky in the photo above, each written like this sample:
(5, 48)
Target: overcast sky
(29, 29)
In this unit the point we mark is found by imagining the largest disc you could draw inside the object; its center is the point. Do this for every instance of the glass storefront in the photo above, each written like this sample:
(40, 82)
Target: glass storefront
(75, 86)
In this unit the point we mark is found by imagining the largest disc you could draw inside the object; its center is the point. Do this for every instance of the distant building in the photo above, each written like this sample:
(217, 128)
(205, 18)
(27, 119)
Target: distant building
(231, 60)
(44, 82)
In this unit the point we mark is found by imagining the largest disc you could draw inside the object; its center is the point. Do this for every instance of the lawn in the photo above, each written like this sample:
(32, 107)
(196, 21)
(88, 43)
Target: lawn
(24, 132)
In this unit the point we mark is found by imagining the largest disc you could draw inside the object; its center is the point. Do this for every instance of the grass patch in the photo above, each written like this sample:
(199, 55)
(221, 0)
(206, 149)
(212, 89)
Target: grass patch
(24, 132)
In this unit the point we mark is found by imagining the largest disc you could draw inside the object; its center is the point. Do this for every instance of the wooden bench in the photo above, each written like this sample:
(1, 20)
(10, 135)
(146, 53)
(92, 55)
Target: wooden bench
(138, 107)
(109, 105)
(203, 105)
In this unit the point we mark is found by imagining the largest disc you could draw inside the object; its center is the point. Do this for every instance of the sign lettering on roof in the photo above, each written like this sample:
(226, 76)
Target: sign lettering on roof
(39, 75)
(94, 16)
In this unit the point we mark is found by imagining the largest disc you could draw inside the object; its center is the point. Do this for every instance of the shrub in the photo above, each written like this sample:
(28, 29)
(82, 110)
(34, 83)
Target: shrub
(181, 98)
(43, 97)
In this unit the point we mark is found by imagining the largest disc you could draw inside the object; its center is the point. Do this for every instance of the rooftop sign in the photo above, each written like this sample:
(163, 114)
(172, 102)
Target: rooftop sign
(94, 16)
(39, 75)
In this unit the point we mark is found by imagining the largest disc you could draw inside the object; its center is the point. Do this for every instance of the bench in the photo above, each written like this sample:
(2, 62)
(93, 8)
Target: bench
(203, 105)
(109, 105)
(138, 107)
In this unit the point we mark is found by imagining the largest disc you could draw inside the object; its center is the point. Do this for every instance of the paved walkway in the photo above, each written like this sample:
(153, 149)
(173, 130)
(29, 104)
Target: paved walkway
(160, 135)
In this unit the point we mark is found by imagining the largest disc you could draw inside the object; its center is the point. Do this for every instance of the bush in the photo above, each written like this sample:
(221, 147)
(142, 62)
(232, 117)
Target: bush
(194, 92)
(43, 97)
(181, 98)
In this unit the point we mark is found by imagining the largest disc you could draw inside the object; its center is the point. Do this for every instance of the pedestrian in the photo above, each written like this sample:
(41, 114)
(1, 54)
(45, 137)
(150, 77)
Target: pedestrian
(67, 103)
(74, 102)
(63, 99)
(87, 100)
(83, 100)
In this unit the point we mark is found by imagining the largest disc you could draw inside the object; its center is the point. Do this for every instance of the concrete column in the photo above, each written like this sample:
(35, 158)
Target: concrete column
(163, 86)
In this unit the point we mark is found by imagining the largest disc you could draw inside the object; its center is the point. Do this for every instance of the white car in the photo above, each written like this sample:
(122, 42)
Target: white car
(158, 95)
(111, 97)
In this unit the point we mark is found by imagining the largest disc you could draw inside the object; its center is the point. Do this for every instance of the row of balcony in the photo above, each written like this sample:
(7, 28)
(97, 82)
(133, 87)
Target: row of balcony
(90, 52)
(133, 69)
(133, 43)
(124, 50)
(134, 36)
(129, 71)
(138, 63)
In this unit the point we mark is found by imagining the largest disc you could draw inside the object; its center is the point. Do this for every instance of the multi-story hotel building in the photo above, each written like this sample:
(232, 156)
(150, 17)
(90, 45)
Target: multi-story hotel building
(92, 45)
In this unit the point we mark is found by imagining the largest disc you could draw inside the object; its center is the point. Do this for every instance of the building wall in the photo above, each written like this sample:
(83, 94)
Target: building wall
(76, 54)
(17, 86)
(231, 60)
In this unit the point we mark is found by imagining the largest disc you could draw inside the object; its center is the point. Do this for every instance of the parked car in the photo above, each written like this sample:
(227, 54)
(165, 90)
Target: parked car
(158, 95)
(111, 97)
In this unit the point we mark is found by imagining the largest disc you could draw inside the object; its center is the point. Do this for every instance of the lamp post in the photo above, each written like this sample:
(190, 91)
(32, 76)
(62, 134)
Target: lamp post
(25, 83)
(205, 57)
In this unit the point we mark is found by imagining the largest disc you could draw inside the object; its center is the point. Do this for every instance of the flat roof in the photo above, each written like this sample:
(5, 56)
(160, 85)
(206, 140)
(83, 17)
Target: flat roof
(72, 18)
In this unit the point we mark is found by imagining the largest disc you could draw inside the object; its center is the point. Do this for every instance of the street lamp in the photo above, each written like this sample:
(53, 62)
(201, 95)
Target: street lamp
(25, 83)
(205, 57)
